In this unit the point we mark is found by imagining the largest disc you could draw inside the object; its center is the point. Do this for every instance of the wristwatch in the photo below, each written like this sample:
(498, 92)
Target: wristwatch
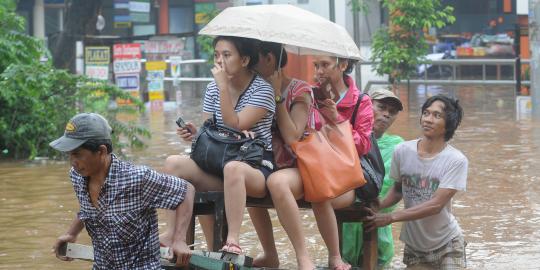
(279, 99)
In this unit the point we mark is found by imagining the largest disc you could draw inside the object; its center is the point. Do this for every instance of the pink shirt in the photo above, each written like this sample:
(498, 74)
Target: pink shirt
(364, 118)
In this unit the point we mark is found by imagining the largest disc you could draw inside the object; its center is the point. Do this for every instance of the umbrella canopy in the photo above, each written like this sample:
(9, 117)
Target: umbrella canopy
(301, 31)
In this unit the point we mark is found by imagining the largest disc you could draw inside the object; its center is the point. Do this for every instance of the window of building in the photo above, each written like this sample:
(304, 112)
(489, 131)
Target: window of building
(180, 20)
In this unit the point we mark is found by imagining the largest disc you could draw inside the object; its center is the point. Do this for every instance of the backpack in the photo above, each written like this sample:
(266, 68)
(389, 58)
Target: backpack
(372, 166)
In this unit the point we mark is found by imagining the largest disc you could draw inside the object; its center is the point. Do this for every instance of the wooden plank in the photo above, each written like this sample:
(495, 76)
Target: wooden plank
(369, 259)
(77, 251)
(214, 261)
(199, 259)
(212, 203)
(86, 253)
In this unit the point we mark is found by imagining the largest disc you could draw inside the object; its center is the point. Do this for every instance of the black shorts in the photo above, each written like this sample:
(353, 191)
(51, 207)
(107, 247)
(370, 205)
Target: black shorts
(268, 165)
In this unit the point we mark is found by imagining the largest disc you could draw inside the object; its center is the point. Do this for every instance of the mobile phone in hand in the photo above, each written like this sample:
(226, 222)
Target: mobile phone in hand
(180, 122)
(319, 93)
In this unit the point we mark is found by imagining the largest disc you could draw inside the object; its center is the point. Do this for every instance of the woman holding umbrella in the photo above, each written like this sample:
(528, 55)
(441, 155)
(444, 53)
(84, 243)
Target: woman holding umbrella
(241, 99)
(338, 95)
(295, 110)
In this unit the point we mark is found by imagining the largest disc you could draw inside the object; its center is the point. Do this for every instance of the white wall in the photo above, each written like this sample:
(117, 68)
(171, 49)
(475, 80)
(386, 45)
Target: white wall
(522, 7)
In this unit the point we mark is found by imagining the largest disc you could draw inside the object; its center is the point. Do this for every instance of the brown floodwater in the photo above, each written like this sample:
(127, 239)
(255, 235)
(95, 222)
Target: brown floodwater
(499, 213)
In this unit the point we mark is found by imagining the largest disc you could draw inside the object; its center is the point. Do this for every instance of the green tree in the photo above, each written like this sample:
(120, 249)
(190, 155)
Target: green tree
(15, 46)
(36, 100)
(206, 42)
(401, 47)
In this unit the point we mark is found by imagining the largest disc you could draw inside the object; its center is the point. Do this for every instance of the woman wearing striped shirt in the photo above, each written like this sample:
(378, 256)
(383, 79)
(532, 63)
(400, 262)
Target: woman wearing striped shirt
(243, 100)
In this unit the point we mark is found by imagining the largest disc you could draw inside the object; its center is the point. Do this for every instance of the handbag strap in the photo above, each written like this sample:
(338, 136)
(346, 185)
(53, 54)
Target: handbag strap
(353, 118)
(224, 127)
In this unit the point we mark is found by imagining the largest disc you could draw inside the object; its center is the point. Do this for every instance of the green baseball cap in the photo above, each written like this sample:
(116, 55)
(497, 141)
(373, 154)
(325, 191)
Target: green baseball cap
(81, 128)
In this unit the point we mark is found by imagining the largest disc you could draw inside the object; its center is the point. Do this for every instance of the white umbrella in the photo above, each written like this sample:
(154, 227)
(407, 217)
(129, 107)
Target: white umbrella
(301, 31)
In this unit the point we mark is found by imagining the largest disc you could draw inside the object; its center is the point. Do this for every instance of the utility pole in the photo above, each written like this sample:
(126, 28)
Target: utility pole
(332, 7)
(534, 41)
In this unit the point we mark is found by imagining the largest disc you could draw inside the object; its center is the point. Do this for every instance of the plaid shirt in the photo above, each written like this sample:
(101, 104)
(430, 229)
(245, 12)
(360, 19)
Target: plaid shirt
(124, 227)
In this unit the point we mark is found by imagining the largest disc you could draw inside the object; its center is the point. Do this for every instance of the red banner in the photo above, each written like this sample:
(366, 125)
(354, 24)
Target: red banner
(127, 51)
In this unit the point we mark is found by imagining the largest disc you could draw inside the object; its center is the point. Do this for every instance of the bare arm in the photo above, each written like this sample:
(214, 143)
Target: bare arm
(428, 208)
(394, 196)
(70, 236)
(244, 119)
(292, 125)
(431, 207)
(183, 218)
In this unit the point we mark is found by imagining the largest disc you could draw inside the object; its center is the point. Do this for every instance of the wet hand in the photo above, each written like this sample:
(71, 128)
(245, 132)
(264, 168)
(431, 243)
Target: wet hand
(220, 74)
(328, 109)
(275, 80)
(249, 134)
(374, 220)
(187, 133)
(66, 238)
(182, 253)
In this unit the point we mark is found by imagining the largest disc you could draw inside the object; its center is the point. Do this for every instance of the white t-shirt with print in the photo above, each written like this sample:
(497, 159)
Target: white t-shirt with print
(420, 178)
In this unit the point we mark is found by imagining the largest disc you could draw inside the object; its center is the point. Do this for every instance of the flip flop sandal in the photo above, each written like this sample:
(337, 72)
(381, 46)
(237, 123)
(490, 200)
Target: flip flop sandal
(342, 266)
(232, 248)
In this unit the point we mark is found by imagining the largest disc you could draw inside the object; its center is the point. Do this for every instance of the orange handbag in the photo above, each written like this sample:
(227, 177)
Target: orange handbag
(328, 162)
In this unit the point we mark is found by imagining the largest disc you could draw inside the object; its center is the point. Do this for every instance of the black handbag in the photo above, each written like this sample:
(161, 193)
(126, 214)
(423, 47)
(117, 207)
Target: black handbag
(372, 166)
(214, 146)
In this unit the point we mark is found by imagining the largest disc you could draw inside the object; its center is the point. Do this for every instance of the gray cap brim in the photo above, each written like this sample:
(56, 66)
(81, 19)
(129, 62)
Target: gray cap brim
(65, 144)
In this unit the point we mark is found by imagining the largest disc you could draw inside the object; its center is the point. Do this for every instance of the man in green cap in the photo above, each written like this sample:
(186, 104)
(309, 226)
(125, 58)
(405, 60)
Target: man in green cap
(118, 200)
(386, 106)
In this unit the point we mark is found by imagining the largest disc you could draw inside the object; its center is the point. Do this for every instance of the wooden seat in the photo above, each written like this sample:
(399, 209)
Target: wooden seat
(212, 203)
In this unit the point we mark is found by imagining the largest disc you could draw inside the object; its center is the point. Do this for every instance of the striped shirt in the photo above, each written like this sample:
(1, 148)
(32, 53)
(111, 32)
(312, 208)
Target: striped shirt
(124, 228)
(258, 94)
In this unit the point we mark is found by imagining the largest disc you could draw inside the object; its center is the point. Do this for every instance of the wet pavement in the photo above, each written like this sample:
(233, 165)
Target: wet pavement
(499, 213)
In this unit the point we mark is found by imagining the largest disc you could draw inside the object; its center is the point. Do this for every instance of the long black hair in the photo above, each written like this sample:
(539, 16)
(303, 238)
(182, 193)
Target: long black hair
(452, 110)
(275, 49)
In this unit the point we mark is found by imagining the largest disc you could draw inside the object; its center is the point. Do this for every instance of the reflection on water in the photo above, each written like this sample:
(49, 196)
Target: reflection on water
(499, 212)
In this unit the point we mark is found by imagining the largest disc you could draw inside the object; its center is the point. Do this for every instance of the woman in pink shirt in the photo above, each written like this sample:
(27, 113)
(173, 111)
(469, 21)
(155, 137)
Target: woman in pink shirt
(337, 96)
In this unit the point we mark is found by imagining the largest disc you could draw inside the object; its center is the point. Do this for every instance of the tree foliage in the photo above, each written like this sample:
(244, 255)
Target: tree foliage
(205, 42)
(36, 100)
(401, 47)
(15, 46)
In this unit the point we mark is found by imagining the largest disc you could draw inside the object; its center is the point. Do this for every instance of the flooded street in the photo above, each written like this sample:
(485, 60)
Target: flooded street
(499, 212)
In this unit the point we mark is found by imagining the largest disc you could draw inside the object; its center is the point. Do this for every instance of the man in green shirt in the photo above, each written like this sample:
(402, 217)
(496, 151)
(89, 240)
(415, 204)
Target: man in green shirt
(386, 106)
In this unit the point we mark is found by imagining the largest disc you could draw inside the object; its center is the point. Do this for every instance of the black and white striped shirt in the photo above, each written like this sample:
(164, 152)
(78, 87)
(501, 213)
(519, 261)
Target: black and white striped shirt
(259, 94)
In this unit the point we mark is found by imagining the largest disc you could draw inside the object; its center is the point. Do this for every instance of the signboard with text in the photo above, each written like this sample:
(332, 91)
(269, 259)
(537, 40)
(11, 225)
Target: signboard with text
(171, 46)
(176, 62)
(127, 51)
(127, 66)
(97, 72)
(128, 81)
(97, 55)
(156, 65)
